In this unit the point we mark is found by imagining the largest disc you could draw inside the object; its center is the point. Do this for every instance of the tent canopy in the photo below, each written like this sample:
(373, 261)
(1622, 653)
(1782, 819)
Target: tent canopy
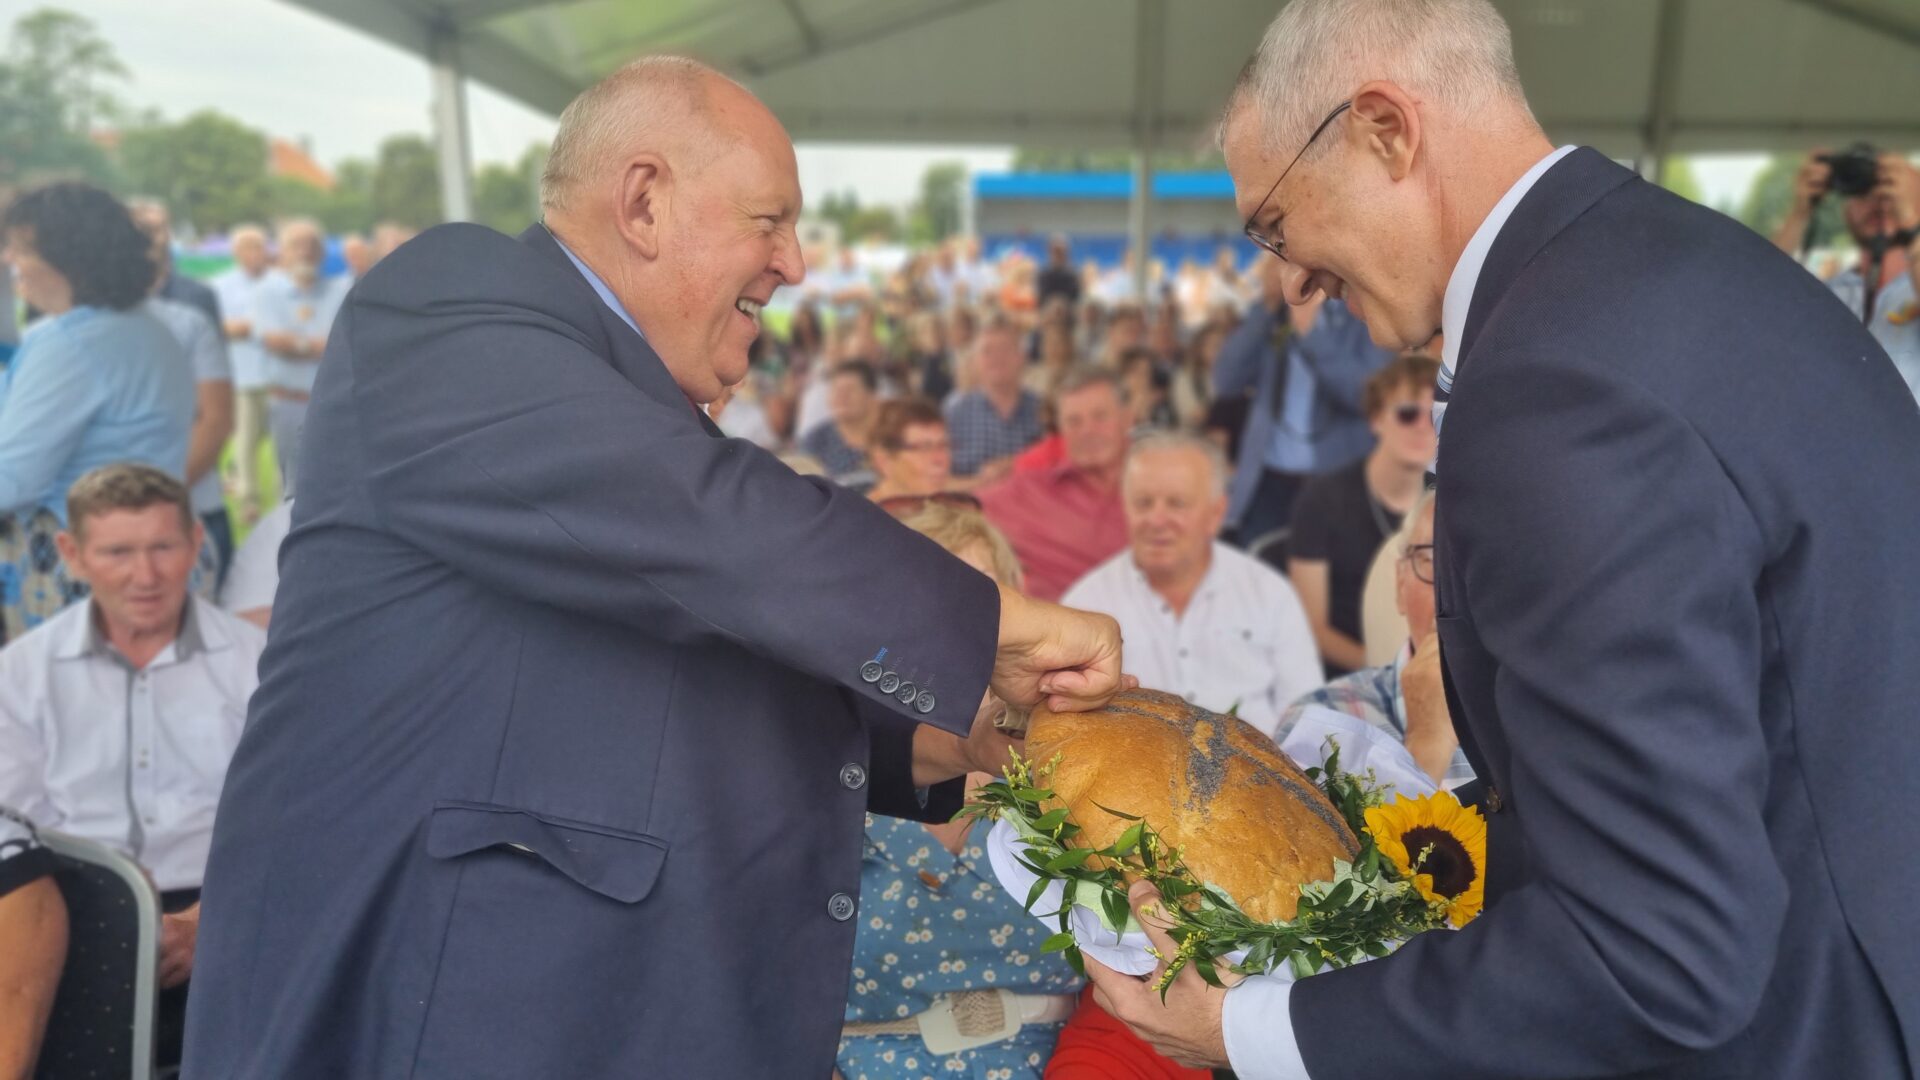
(1628, 76)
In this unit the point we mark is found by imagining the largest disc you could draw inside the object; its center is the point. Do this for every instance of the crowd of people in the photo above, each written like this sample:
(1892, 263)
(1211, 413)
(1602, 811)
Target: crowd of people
(1239, 483)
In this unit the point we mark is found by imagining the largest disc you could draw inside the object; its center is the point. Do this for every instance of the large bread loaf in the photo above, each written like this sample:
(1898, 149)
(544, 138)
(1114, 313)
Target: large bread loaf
(1246, 818)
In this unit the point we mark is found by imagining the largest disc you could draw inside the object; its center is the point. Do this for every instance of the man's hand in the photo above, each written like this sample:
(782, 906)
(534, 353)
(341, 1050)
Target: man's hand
(1430, 735)
(1810, 183)
(1900, 186)
(178, 934)
(1187, 1027)
(1068, 659)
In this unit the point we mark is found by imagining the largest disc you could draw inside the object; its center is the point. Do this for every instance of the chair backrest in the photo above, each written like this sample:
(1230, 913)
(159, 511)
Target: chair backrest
(1382, 628)
(103, 1014)
(1271, 548)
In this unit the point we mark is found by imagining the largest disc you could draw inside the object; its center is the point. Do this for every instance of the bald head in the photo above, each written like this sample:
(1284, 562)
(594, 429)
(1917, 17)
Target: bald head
(679, 190)
(665, 105)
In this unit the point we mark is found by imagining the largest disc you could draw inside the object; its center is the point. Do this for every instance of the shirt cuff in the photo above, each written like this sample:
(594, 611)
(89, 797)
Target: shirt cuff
(1258, 1030)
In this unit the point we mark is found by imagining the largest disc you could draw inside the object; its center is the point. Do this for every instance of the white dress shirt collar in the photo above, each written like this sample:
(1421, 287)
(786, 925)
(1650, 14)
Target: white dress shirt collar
(1466, 272)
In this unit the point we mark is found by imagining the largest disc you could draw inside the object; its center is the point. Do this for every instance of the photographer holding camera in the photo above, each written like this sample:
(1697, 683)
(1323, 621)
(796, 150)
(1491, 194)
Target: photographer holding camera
(1882, 212)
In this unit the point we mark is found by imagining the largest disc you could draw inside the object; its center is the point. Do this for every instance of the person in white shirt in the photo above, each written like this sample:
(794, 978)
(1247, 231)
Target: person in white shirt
(118, 716)
(1214, 625)
(239, 291)
(255, 576)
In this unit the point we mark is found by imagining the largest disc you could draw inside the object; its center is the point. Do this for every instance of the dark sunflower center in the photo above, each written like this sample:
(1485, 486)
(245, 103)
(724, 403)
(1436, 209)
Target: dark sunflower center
(1445, 858)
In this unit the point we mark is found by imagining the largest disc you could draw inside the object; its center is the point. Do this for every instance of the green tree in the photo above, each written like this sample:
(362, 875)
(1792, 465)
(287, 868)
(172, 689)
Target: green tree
(349, 206)
(288, 196)
(1680, 179)
(502, 198)
(406, 182)
(55, 84)
(942, 191)
(210, 168)
(1771, 196)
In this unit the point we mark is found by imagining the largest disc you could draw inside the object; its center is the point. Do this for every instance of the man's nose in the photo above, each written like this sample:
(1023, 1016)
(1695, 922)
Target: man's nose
(1296, 284)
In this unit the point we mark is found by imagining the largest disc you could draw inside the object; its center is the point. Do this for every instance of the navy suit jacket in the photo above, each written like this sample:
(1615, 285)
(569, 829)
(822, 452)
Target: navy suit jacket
(1679, 495)
(562, 750)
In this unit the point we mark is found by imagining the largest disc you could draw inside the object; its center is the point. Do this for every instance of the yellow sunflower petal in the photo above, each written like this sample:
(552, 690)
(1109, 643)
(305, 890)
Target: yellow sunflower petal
(1439, 813)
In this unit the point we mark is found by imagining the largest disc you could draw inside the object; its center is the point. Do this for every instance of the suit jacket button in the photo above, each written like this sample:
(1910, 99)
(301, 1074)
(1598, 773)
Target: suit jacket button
(1494, 802)
(906, 692)
(852, 775)
(840, 906)
(889, 683)
(871, 671)
(924, 702)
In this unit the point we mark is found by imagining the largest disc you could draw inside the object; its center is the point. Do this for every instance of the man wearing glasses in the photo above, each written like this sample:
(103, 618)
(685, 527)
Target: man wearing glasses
(1679, 485)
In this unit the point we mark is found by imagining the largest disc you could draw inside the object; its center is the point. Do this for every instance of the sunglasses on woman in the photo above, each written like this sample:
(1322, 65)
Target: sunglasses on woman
(1408, 413)
(905, 506)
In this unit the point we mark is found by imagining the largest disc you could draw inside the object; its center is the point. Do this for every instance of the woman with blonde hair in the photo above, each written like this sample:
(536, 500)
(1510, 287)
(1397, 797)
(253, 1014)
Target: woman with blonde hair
(938, 936)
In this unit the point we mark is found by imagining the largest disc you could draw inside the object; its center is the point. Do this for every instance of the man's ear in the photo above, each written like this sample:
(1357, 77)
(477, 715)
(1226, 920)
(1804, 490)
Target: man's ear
(646, 187)
(1387, 126)
(69, 549)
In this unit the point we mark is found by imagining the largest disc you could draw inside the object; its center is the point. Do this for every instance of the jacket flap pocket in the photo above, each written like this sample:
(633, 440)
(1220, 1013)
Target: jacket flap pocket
(616, 864)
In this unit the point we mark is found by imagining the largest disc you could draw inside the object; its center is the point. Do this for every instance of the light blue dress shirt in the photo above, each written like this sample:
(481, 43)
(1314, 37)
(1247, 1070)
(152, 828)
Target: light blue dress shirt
(285, 306)
(89, 387)
(599, 287)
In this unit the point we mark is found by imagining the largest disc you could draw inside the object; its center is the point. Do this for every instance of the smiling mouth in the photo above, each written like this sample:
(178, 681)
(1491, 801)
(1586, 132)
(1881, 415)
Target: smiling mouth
(749, 308)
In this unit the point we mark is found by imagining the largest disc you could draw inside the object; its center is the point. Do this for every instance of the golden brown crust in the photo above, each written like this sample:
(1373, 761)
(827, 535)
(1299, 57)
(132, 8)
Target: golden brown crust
(1246, 818)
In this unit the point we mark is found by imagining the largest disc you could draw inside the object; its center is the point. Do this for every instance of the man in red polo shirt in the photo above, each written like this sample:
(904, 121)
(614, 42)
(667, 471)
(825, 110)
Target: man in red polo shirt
(1065, 520)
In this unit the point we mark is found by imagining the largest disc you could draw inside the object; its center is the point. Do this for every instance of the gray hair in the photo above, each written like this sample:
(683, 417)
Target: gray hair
(612, 112)
(1156, 442)
(1458, 53)
(1085, 375)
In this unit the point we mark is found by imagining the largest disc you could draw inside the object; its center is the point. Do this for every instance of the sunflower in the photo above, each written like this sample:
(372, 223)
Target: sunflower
(1438, 844)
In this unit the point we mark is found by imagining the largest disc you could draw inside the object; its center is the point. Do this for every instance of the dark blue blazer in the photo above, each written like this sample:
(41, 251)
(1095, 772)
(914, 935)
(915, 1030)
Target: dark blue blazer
(1679, 498)
(562, 750)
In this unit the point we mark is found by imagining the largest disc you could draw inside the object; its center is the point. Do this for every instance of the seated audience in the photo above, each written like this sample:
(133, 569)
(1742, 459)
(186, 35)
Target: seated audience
(33, 944)
(928, 358)
(1343, 517)
(1405, 697)
(937, 930)
(255, 576)
(840, 443)
(1147, 389)
(119, 715)
(1065, 520)
(1214, 625)
(998, 418)
(97, 379)
(911, 454)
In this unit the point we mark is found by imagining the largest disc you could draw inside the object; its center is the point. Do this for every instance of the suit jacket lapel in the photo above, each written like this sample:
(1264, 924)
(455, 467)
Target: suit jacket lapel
(628, 352)
(1557, 199)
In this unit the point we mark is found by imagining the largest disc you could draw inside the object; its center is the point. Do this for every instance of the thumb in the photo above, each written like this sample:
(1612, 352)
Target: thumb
(1144, 898)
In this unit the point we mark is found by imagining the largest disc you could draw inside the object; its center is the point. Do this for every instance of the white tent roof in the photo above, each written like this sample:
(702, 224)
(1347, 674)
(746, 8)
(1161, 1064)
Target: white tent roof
(1624, 75)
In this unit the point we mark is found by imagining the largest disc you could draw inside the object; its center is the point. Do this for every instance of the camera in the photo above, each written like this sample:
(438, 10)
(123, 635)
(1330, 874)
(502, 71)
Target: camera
(1854, 171)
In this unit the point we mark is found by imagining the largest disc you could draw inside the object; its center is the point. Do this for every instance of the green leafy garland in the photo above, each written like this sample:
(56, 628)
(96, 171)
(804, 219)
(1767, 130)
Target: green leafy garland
(1362, 912)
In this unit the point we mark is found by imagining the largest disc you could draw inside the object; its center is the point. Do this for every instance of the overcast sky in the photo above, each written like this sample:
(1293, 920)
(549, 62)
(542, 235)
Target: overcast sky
(297, 75)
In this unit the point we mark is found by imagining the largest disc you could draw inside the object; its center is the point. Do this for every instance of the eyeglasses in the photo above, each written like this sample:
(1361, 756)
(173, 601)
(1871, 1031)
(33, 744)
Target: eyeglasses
(922, 447)
(905, 506)
(1408, 413)
(1419, 558)
(1278, 248)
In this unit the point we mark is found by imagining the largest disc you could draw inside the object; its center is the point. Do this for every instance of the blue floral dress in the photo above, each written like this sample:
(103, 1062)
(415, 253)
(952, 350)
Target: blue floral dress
(932, 922)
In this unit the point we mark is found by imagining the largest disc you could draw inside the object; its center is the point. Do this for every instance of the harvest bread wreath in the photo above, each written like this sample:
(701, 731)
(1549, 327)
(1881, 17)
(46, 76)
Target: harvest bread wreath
(1261, 864)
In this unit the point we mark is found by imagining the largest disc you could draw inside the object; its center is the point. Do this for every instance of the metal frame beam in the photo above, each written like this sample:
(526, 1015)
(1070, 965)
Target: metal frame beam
(773, 63)
(1668, 46)
(451, 131)
(1149, 74)
(1879, 24)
